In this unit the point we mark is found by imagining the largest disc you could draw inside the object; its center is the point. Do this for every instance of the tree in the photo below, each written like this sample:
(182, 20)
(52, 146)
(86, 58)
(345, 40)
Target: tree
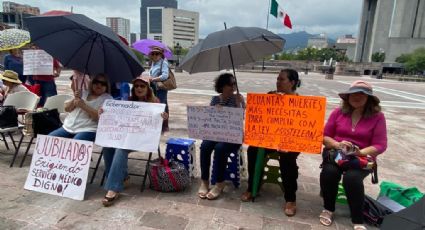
(378, 57)
(308, 53)
(413, 62)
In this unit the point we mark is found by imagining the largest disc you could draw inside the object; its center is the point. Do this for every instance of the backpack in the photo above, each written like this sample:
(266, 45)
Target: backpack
(374, 212)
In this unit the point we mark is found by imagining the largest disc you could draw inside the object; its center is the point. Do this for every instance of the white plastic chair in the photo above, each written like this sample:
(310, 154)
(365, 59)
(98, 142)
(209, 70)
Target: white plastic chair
(22, 100)
(57, 102)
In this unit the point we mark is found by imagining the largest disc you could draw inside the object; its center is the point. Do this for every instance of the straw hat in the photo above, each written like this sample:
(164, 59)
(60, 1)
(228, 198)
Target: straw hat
(10, 76)
(359, 86)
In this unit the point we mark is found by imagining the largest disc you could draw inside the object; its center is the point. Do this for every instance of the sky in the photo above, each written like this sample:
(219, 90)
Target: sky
(333, 17)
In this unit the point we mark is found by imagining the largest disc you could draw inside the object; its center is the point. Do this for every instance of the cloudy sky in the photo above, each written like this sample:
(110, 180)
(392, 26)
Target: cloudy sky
(333, 17)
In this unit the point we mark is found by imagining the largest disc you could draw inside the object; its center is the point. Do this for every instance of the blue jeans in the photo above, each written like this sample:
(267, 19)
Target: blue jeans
(116, 168)
(222, 151)
(47, 89)
(61, 132)
(162, 96)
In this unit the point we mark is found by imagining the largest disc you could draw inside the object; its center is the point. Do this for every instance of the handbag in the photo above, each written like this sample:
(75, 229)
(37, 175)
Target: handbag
(399, 194)
(168, 84)
(8, 117)
(168, 176)
(42, 122)
(374, 212)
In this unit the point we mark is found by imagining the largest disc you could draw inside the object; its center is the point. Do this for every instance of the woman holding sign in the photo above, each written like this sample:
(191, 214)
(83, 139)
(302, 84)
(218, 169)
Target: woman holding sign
(287, 83)
(225, 85)
(81, 123)
(358, 130)
(116, 160)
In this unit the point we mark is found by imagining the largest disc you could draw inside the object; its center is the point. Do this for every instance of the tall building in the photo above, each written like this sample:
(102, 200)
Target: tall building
(318, 42)
(155, 15)
(178, 26)
(120, 26)
(394, 27)
(134, 37)
(11, 7)
(347, 44)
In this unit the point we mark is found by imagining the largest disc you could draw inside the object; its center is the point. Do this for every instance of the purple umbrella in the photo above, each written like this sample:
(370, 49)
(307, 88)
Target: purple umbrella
(144, 46)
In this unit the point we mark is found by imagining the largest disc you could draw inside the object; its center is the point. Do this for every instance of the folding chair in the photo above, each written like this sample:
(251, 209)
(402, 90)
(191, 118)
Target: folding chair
(23, 102)
(53, 102)
(144, 176)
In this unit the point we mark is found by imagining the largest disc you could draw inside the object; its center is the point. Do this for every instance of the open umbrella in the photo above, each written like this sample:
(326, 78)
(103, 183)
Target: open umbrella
(13, 39)
(144, 46)
(80, 43)
(410, 218)
(231, 47)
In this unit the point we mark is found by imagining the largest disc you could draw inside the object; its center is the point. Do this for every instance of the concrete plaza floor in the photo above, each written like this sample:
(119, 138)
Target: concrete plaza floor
(404, 107)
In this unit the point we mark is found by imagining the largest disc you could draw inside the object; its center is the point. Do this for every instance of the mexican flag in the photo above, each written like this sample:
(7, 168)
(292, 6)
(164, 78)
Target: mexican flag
(276, 10)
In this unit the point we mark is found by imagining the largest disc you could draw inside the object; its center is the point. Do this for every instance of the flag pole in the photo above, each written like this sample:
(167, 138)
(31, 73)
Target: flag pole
(267, 27)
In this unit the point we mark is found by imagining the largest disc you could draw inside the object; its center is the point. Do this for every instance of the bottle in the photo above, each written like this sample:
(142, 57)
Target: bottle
(125, 91)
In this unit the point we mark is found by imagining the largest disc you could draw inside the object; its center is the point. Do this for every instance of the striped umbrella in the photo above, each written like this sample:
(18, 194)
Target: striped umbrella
(13, 39)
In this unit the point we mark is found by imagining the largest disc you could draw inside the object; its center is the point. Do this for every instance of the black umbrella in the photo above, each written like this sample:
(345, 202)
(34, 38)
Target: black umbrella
(411, 218)
(80, 43)
(231, 47)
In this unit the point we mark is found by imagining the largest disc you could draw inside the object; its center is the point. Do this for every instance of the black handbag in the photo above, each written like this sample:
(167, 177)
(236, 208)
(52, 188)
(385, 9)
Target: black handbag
(46, 121)
(8, 116)
(374, 212)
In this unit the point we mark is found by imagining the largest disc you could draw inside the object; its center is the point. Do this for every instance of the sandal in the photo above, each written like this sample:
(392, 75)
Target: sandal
(215, 192)
(326, 217)
(108, 201)
(203, 190)
(359, 227)
(246, 196)
(290, 209)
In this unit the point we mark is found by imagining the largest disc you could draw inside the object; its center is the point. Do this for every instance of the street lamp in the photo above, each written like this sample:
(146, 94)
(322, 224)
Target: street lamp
(177, 50)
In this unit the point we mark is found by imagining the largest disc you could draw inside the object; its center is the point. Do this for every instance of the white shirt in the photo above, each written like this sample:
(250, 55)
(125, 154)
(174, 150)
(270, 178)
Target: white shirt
(79, 121)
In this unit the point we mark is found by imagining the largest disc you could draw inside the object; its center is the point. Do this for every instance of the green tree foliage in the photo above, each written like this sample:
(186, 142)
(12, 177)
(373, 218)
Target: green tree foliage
(139, 56)
(313, 54)
(378, 57)
(413, 62)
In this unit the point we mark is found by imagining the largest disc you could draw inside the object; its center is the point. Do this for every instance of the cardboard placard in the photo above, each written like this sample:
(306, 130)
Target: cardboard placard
(60, 166)
(214, 123)
(130, 125)
(37, 62)
(285, 122)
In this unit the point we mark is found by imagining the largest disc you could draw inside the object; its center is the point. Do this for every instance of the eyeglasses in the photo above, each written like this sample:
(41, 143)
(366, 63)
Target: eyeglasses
(155, 53)
(103, 83)
(140, 86)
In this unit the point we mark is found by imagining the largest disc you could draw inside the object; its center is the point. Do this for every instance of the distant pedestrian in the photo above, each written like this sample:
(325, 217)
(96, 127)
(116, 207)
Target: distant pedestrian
(358, 127)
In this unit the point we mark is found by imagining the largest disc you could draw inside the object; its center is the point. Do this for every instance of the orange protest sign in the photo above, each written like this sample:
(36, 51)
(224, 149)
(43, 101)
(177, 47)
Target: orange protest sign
(285, 122)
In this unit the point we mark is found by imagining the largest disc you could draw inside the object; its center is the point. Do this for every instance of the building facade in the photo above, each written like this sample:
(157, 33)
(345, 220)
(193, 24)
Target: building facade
(11, 7)
(154, 16)
(318, 42)
(347, 44)
(120, 26)
(393, 27)
(134, 37)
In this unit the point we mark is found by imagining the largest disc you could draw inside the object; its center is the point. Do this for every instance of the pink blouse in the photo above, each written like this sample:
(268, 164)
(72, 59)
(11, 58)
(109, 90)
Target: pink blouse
(369, 131)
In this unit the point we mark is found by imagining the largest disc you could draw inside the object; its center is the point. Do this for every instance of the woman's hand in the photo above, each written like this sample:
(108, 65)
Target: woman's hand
(100, 111)
(164, 115)
(78, 102)
(77, 94)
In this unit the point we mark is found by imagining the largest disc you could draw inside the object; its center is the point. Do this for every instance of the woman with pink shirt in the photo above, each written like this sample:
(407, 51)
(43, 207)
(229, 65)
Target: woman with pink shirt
(358, 127)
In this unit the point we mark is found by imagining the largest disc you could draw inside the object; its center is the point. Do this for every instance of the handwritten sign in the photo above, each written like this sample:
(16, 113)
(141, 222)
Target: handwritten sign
(222, 124)
(130, 125)
(60, 166)
(285, 122)
(37, 62)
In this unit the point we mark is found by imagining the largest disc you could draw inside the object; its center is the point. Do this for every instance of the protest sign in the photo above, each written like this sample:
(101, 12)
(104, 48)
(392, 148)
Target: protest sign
(60, 166)
(222, 124)
(285, 122)
(130, 125)
(37, 62)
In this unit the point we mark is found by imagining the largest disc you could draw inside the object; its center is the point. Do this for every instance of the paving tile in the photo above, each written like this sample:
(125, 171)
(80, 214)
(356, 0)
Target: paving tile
(238, 219)
(9, 224)
(274, 224)
(162, 221)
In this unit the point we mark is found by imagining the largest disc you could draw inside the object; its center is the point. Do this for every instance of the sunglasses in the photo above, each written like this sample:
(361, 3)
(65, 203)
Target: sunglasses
(155, 53)
(103, 83)
(140, 86)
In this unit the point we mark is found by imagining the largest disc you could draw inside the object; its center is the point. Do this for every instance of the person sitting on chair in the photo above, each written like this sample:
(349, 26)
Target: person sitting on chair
(287, 83)
(81, 123)
(225, 85)
(116, 160)
(358, 127)
(11, 84)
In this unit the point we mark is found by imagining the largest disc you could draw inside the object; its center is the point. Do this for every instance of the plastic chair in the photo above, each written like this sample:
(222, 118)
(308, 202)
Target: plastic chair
(22, 100)
(233, 169)
(57, 102)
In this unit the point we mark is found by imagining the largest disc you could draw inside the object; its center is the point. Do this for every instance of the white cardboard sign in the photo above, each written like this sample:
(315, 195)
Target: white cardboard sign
(37, 62)
(222, 124)
(130, 125)
(60, 166)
